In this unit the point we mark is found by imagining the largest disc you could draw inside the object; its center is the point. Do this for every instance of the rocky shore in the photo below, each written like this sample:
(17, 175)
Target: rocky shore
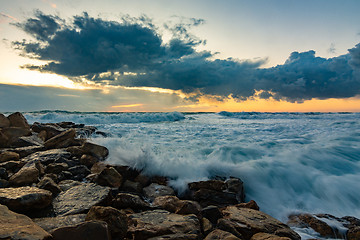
(55, 184)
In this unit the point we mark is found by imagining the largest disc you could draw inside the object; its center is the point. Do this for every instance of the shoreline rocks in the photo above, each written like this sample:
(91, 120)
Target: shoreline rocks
(52, 174)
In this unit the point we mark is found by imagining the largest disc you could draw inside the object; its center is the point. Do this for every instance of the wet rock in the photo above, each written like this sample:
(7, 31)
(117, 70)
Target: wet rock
(95, 150)
(236, 186)
(88, 160)
(155, 190)
(110, 177)
(75, 151)
(80, 199)
(161, 180)
(115, 219)
(168, 203)
(212, 213)
(142, 179)
(18, 120)
(154, 223)
(11, 165)
(18, 226)
(218, 234)
(49, 156)
(3, 173)
(267, 236)
(353, 233)
(56, 168)
(67, 184)
(49, 224)
(244, 222)
(9, 156)
(13, 133)
(61, 140)
(93, 230)
(130, 186)
(98, 167)
(4, 121)
(51, 130)
(216, 185)
(26, 151)
(27, 141)
(208, 197)
(188, 207)
(49, 184)
(251, 204)
(127, 200)
(79, 172)
(25, 198)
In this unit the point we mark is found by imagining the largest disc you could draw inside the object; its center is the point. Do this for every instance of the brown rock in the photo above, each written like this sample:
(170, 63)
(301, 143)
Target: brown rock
(88, 160)
(27, 175)
(25, 198)
(169, 203)
(212, 213)
(98, 167)
(42, 135)
(110, 177)
(154, 223)
(236, 186)
(218, 234)
(127, 200)
(56, 168)
(93, 230)
(4, 121)
(96, 150)
(267, 236)
(67, 184)
(115, 219)
(49, 184)
(353, 233)
(216, 185)
(18, 226)
(49, 224)
(307, 220)
(51, 130)
(26, 151)
(207, 197)
(18, 120)
(251, 204)
(130, 186)
(9, 156)
(178, 236)
(207, 226)
(155, 190)
(11, 165)
(142, 179)
(63, 139)
(244, 222)
(27, 141)
(13, 133)
(3, 140)
(189, 207)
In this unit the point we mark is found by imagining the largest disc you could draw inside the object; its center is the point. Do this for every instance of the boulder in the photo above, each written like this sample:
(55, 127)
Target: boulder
(130, 186)
(267, 236)
(18, 120)
(95, 150)
(51, 130)
(208, 197)
(177, 236)
(48, 184)
(13, 133)
(17, 226)
(12, 165)
(56, 168)
(212, 213)
(93, 230)
(110, 177)
(236, 186)
(189, 207)
(4, 183)
(3, 173)
(127, 200)
(49, 224)
(251, 204)
(115, 219)
(27, 141)
(80, 199)
(26, 151)
(88, 160)
(218, 234)
(25, 198)
(67, 184)
(61, 140)
(79, 172)
(353, 233)
(245, 222)
(4, 121)
(206, 225)
(98, 167)
(155, 190)
(168, 203)
(216, 185)
(9, 156)
(3, 140)
(27, 175)
(49, 156)
(154, 223)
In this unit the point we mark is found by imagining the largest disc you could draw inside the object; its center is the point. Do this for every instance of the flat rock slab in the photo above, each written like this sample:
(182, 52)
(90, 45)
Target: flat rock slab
(17, 226)
(245, 222)
(49, 156)
(25, 198)
(80, 199)
(49, 224)
(155, 223)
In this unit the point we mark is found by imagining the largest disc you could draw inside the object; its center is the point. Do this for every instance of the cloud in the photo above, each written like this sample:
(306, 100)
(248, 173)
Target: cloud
(132, 53)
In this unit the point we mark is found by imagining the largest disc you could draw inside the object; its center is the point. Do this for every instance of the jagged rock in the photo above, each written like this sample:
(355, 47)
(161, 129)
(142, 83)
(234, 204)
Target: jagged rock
(130, 186)
(79, 172)
(56, 168)
(96, 150)
(142, 179)
(206, 225)
(251, 204)
(65, 175)
(79, 199)
(51, 129)
(16, 226)
(353, 233)
(236, 186)
(49, 224)
(18, 120)
(53, 176)
(208, 197)
(161, 180)
(98, 167)
(61, 140)
(70, 162)
(88, 160)
(49, 184)
(189, 207)
(212, 213)
(110, 177)
(75, 151)
(155, 190)
(4, 121)
(26, 151)
(218, 234)
(27, 175)
(216, 185)
(3, 173)
(93, 230)
(178, 236)
(168, 203)
(245, 222)
(154, 223)
(127, 200)
(13, 133)
(9, 156)
(67, 184)
(12, 165)
(27, 141)
(25, 198)
(267, 236)
(42, 135)
(115, 219)
(49, 156)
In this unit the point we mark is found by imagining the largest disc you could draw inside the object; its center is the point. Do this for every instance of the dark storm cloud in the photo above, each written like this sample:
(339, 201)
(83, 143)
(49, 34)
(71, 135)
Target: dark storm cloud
(107, 51)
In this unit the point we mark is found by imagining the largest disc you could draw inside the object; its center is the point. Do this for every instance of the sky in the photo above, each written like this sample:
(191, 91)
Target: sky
(167, 55)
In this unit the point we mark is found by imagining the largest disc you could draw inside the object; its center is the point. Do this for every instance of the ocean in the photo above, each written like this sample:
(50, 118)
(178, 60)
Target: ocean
(289, 162)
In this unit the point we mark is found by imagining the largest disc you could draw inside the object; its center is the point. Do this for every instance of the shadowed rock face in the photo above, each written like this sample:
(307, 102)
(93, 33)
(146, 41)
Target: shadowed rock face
(17, 226)
(160, 222)
(79, 199)
(25, 198)
(51, 223)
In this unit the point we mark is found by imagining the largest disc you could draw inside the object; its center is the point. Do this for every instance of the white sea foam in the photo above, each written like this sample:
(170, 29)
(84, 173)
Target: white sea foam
(288, 162)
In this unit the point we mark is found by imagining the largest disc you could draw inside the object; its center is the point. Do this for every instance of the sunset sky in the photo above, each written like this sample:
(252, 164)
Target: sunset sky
(167, 55)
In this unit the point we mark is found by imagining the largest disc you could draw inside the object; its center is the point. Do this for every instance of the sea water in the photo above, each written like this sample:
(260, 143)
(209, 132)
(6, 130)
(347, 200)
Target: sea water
(289, 162)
